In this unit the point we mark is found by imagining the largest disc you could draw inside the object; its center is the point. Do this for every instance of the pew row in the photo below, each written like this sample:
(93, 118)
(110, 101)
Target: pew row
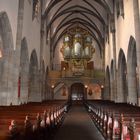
(37, 121)
(116, 121)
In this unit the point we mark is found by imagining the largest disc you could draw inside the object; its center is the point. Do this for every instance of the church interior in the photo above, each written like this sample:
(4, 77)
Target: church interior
(69, 69)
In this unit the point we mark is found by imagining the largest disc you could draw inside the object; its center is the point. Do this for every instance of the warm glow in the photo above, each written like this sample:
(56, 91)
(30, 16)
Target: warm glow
(102, 86)
(86, 86)
(137, 70)
(52, 86)
(0, 53)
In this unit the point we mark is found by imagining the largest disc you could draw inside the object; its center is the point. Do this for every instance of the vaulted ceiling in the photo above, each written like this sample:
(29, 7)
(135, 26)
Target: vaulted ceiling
(92, 15)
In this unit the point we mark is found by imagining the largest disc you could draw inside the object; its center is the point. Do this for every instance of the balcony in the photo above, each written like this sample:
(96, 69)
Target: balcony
(56, 76)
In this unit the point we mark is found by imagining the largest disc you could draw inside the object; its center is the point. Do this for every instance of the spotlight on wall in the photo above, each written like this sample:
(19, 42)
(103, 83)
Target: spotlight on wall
(0, 53)
(86, 86)
(52, 86)
(137, 70)
(102, 86)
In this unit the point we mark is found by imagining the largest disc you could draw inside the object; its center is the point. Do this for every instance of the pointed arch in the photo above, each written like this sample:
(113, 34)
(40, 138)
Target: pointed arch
(33, 93)
(107, 95)
(131, 71)
(24, 71)
(7, 61)
(122, 78)
(6, 32)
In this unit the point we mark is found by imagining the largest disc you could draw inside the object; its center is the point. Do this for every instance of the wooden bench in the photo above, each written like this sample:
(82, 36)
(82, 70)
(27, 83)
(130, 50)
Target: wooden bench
(113, 119)
(27, 123)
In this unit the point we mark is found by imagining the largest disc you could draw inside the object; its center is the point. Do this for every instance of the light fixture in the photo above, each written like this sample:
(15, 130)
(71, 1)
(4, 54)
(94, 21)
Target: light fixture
(102, 86)
(1, 53)
(86, 86)
(52, 86)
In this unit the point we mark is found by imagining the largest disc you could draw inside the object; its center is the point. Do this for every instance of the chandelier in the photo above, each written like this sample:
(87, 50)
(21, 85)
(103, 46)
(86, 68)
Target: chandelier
(77, 45)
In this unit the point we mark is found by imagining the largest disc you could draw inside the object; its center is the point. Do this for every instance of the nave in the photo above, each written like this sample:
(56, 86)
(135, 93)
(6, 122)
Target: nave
(61, 120)
(78, 126)
(32, 121)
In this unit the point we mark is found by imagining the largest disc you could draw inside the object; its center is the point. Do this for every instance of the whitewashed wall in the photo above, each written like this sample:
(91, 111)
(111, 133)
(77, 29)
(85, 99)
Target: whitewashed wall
(31, 29)
(124, 29)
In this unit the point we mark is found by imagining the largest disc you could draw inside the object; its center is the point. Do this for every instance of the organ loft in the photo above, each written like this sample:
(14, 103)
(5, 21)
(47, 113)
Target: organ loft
(69, 69)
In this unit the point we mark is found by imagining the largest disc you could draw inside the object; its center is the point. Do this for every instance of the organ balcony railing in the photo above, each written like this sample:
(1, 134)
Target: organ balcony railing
(56, 76)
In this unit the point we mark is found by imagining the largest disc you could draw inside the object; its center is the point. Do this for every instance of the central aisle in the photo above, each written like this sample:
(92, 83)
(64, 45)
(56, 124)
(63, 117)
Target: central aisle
(78, 126)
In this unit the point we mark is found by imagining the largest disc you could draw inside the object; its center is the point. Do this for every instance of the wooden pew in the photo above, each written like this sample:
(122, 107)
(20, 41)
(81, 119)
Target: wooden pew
(25, 122)
(113, 119)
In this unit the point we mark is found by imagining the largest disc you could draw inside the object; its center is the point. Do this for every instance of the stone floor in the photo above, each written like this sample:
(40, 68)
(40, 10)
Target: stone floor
(78, 126)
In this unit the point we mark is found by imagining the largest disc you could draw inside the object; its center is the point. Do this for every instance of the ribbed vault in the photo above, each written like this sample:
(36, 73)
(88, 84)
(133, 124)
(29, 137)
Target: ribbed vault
(92, 15)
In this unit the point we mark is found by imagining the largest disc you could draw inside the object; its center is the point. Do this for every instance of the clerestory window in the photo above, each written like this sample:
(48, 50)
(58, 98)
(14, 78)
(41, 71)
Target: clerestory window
(36, 8)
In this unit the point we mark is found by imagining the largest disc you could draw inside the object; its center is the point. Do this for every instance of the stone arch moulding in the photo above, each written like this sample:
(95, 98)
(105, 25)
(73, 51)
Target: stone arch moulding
(8, 92)
(122, 88)
(131, 71)
(34, 94)
(23, 72)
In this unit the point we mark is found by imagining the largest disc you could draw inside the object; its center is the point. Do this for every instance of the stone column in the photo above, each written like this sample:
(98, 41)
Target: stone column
(18, 47)
(137, 36)
(113, 31)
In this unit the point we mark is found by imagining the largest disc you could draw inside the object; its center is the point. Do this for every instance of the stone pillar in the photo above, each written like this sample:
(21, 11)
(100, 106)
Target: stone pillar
(112, 87)
(6, 81)
(132, 98)
(113, 31)
(51, 49)
(42, 36)
(120, 93)
(34, 94)
(18, 46)
(106, 95)
(137, 36)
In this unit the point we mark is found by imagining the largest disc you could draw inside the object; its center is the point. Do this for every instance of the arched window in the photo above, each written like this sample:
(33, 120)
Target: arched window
(120, 8)
(36, 8)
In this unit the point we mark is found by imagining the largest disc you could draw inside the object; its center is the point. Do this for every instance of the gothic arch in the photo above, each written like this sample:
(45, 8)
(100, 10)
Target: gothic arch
(122, 94)
(33, 93)
(131, 71)
(24, 71)
(6, 61)
(6, 32)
